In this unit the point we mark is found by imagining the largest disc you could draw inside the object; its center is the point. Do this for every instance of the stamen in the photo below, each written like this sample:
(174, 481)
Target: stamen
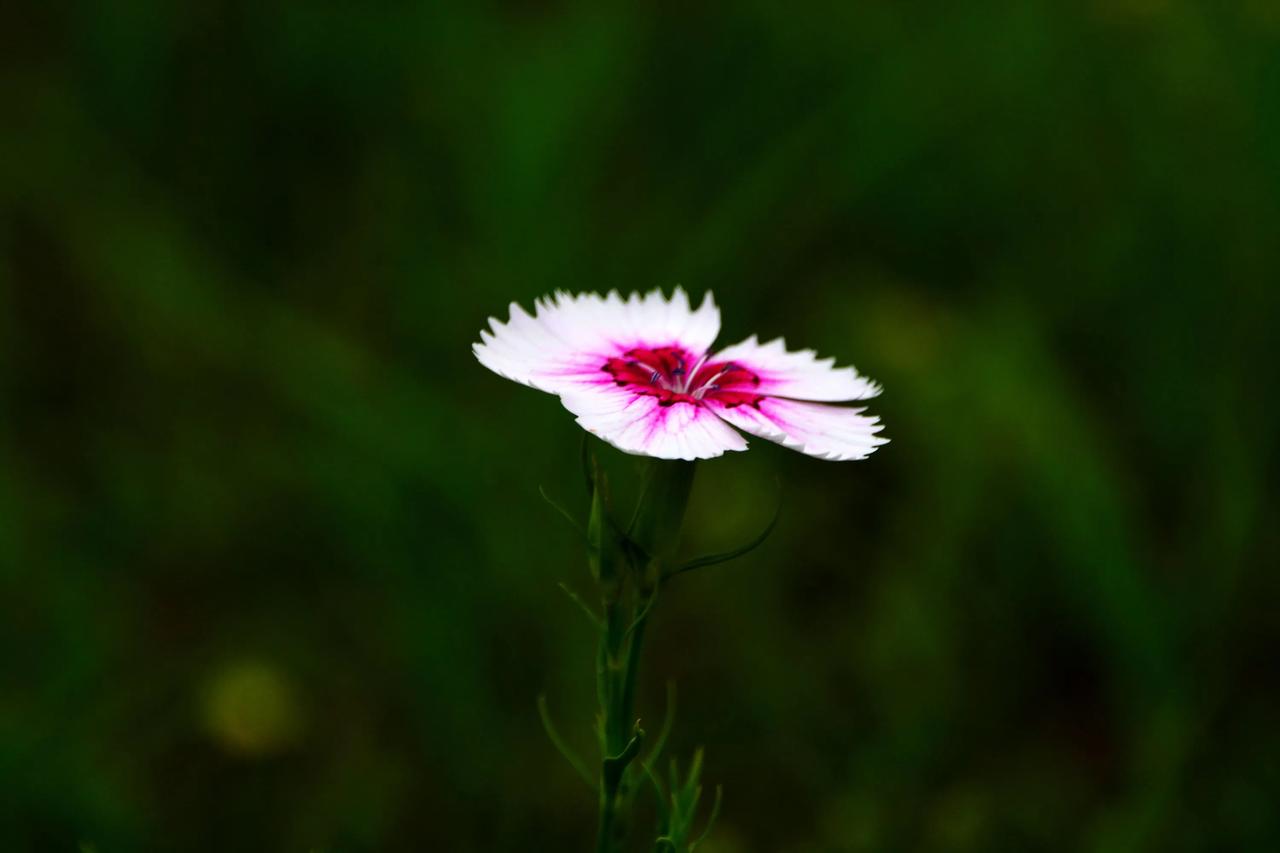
(709, 385)
(684, 386)
(666, 368)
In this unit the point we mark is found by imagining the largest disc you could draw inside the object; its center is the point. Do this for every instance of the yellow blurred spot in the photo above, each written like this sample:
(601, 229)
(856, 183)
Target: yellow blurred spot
(251, 709)
(853, 821)
(959, 818)
(909, 334)
(1265, 13)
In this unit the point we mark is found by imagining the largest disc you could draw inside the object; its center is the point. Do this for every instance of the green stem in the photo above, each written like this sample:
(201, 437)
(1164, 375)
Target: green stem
(631, 672)
(620, 663)
(655, 529)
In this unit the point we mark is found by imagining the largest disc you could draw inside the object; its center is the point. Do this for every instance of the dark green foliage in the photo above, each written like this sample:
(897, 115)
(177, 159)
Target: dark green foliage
(274, 569)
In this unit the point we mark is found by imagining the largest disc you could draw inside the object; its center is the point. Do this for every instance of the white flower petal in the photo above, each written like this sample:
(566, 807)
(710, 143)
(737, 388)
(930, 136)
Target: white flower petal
(567, 339)
(638, 423)
(828, 432)
(527, 350)
(798, 375)
(619, 366)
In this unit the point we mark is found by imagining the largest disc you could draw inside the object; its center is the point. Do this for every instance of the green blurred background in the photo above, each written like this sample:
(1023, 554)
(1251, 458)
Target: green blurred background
(274, 572)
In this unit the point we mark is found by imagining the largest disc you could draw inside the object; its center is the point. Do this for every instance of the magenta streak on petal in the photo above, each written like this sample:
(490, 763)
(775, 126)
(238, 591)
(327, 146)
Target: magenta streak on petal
(585, 371)
(766, 411)
(772, 414)
(657, 417)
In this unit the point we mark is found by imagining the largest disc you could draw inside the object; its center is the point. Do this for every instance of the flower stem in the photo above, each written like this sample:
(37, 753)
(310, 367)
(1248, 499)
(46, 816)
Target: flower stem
(620, 657)
(654, 532)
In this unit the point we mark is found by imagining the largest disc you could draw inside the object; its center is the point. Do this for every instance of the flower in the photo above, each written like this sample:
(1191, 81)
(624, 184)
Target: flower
(639, 373)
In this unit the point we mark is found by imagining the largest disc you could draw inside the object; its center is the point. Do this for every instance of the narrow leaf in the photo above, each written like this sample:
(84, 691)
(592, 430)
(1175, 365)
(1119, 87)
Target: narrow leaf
(712, 559)
(711, 819)
(559, 507)
(614, 765)
(663, 809)
(586, 608)
(644, 614)
(560, 745)
(667, 721)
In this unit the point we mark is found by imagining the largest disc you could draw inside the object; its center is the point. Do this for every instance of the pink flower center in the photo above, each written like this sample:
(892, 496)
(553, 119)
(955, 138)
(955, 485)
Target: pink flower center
(673, 375)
